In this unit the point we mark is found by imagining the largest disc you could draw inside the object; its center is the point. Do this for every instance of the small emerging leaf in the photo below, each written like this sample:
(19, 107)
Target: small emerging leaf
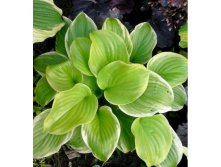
(43, 92)
(46, 59)
(79, 54)
(144, 40)
(114, 25)
(123, 83)
(63, 76)
(45, 144)
(77, 143)
(183, 36)
(106, 47)
(70, 109)
(158, 97)
(180, 98)
(81, 26)
(170, 66)
(102, 134)
(153, 138)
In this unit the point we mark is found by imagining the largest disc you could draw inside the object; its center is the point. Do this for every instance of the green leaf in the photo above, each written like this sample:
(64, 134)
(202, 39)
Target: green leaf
(70, 109)
(153, 138)
(45, 144)
(170, 66)
(47, 20)
(123, 83)
(60, 37)
(126, 141)
(180, 98)
(81, 26)
(158, 97)
(91, 82)
(144, 40)
(175, 154)
(102, 134)
(183, 33)
(185, 151)
(77, 143)
(79, 54)
(106, 47)
(114, 25)
(63, 76)
(43, 92)
(46, 59)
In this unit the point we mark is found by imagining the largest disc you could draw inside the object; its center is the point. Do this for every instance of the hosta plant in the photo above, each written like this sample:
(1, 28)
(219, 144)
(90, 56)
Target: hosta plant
(109, 92)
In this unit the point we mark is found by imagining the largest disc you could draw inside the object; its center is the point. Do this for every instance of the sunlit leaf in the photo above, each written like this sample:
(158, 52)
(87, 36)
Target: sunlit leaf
(170, 66)
(102, 134)
(60, 37)
(91, 82)
(77, 143)
(126, 141)
(144, 40)
(183, 33)
(158, 97)
(114, 25)
(81, 26)
(46, 59)
(70, 109)
(47, 20)
(185, 151)
(79, 54)
(106, 47)
(43, 92)
(123, 83)
(175, 154)
(180, 98)
(63, 76)
(153, 138)
(45, 144)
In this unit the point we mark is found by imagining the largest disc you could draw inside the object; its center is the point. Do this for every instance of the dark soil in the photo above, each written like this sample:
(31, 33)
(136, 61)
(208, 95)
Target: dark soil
(130, 13)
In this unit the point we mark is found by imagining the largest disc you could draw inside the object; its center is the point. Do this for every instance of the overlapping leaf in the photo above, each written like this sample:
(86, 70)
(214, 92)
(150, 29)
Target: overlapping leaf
(158, 97)
(144, 40)
(170, 66)
(123, 83)
(180, 98)
(81, 26)
(106, 47)
(126, 141)
(114, 25)
(70, 109)
(47, 20)
(79, 54)
(63, 76)
(46, 59)
(77, 143)
(45, 144)
(43, 92)
(153, 138)
(175, 154)
(102, 134)
(60, 37)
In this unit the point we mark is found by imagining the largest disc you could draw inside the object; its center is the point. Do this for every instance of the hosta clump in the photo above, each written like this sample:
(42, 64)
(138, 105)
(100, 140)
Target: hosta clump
(114, 65)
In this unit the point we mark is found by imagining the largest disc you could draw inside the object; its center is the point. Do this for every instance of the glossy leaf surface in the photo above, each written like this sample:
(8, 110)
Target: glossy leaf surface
(47, 20)
(45, 144)
(102, 134)
(144, 40)
(123, 83)
(79, 54)
(157, 97)
(180, 98)
(63, 76)
(114, 25)
(70, 109)
(106, 47)
(170, 66)
(153, 138)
